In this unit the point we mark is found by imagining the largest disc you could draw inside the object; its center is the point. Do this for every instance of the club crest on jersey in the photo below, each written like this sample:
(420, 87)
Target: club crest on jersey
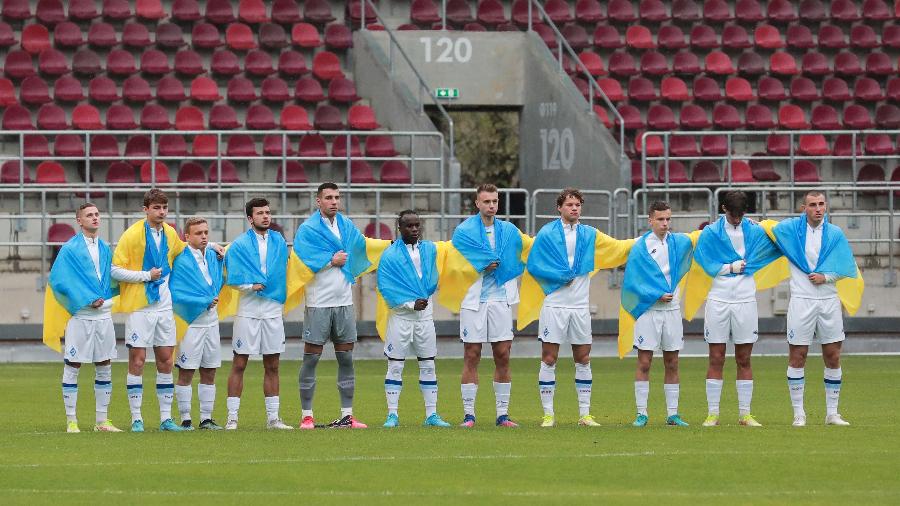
(390, 347)
(640, 339)
(182, 358)
(546, 332)
(238, 343)
(134, 337)
(465, 332)
(72, 351)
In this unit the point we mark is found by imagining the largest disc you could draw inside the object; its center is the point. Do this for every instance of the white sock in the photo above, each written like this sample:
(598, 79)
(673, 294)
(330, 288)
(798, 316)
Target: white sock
(469, 392)
(272, 405)
(233, 404)
(584, 380)
(713, 395)
(501, 394)
(183, 394)
(206, 394)
(428, 385)
(346, 412)
(70, 391)
(102, 391)
(165, 392)
(306, 412)
(832, 390)
(641, 392)
(745, 395)
(393, 384)
(796, 386)
(547, 386)
(135, 386)
(671, 390)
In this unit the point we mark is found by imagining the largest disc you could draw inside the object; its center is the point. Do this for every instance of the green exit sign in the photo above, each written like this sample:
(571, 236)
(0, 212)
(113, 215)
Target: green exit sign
(446, 92)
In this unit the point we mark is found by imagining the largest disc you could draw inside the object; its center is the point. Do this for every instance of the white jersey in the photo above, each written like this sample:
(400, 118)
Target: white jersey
(801, 286)
(406, 311)
(575, 295)
(252, 305)
(659, 250)
(329, 287)
(733, 289)
(119, 274)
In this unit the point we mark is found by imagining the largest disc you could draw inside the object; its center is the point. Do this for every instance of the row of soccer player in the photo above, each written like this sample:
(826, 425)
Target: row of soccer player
(176, 292)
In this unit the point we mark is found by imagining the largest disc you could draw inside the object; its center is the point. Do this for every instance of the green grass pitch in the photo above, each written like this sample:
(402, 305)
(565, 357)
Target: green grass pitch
(615, 463)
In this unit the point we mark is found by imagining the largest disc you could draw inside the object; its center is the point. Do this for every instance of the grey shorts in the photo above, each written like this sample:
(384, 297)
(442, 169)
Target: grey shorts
(335, 323)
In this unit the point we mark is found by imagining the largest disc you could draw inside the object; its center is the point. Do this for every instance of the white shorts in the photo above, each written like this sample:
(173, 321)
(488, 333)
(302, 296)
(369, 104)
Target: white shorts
(559, 325)
(403, 335)
(658, 330)
(89, 341)
(254, 336)
(150, 329)
(490, 324)
(724, 321)
(814, 320)
(200, 348)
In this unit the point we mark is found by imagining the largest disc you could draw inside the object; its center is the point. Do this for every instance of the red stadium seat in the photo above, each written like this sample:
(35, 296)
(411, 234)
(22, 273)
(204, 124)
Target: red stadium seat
(294, 117)
(258, 63)
(277, 145)
(806, 172)
(879, 144)
(354, 12)
(672, 171)
(800, 37)
(694, 117)
(867, 89)
(674, 89)
(155, 62)
(653, 63)
(292, 64)
(291, 173)
(714, 145)
(305, 35)
(239, 37)
(637, 177)
(241, 89)
(686, 62)
(740, 172)
(792, 117)
(704, 37)
(763, 170)
(768, 37)
(778, 145)
(68, 145)
(7, 93)
(759, 117)
(339, 147)
(781, 11)
(150, 10)
(684, 146)
(8, 38)
(735, 37)
(50, 12)
(622, 64)
(220, 12)
(718, 63)
(876, 10)
(843, 146)
(252, 11)
(12, 172)
(120, 63)
(603, 116)
(16, 117)
(707, 89)
(35, 146)
(275, 89)
(137, 149)
(748, 11)
(890, 36)
(832, 37)
(653, 11)
(879, 64)
(159, 176)
(67, 35)
(782, 63)
(223, 117)
(34, 91)
(751, 64)
(631, 117)
(120, 173)
(137, 89)
(594, 63)
(887, 116)
(893, 89)
(191, 172)
(864, 37)
(186, 11)
(188, 63)
(53, 173)
(228, 171)
(17, 10)
(225, 63)
(120, 117)
(309, 90)
(361, 172)
(338, 37)
(589, 11)
(52, 117)
(670, 37)
(102, 35)
(103, 90)
(804, 90)
(155, 117)
(170, 89)
(577, 37)
(770, 88)
(727, 117)
(206, 36)
(607, 37)
(103, 145)
(685, 10)
(824, 117)
(204, 89)
(342, 90)
(641, 89)
(813, 11)
(639, 37)
(189, 118)
(844, 10)
(241, 145)
(205, 146)
(380, 146)
(319, 11)
(835, 89)
(135, 35)
(313, 146)
(717, 11)
(847, 63)
(815, 64)
(328, 117)
(395, 172)
(116, 10)
(260, 117)
(814, 145)
(35, 38)
(272, 36)
(621, 11)
(706, 172)
(857, 117)
(171, 145)
(169, 36)
(738, 89)
(86, 117)
(326, 66)
(661, 117)
(426, 12)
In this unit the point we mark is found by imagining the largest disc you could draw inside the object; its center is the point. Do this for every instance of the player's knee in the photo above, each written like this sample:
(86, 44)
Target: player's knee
(671, 364)
(742, 361)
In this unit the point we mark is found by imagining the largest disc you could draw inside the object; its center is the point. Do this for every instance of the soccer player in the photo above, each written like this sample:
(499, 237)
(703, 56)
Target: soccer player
(331, 247)
(81, 281)
(195, 284)
(737, 247)
(820, 259)
(493, 247)
(562, 261)
(149, 247)
(407, 278)
(661, 259)
(257, 263)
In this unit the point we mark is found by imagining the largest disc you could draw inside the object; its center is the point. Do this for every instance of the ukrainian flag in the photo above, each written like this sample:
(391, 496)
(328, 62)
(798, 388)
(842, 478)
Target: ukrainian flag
(73, 284)
(548, 264)
(835, 256)
(398, 281)
(136, 251)
(764, 261)
(191, 294)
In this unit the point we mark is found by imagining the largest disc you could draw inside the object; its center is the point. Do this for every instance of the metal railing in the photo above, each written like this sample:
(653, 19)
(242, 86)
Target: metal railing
(422, 85)
(604, 221)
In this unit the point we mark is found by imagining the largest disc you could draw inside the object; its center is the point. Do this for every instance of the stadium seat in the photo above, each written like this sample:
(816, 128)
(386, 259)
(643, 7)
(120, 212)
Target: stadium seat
(674, 89)
(380, 146)
(102, 35)
(670, 37)
(159, 176)
(103, 90)
(60, 233)
(683, 146)
(653, 11)
(260, 117)
(171, 145)
(686, 62)
(694, 117)
(740, 172)
(653, 63)
(395, 172)
(738, 89)
(354, 12)
(326, 66)
(759, 117)
(639, 37)
(275, 90)
(751, 63)
(867, 89)
(206, 36)
(621, 11)
(120, 173)
(65, 35)
(219, 12)
(768, 37)
(225, 63)
(294, 117)
(735, 37)
(815, 64)
(52, 173)
(813, 11)
(887, 117)
(258, 63)
(189, 118)
(637, 177)
(154, 62)
(137, 149)
(426, 12)
(814, 145)
(876, 10)
(84, 62)
(671, 171)
(155, 117)
(603, 116)
(879, 144)
(718, 63)
(277, 145)
(120, 117)
(727, 117)
(120, 63)
(16, 117)
(864, 37)
(137, 89)
(806, 171)
(763, 170)
(607, 37)
(706, 172)
(594, 63)
(7, 93)
(205, 146)
(804, 90)
(792, 117)
(782, 63)
(844, 10)
(622, 64)
(149, 10)
(685, 11)
(361, 172)
(589, 11)
(319, 11)
(169, 36)
(748, 11)
(824, 117)
(34, 91)
(338, 37)
(272, 36)
(292, 64)
(17, 10)
(19, 64)
(879, 64)
(191, 172)
(52, 117)
(717, 11)
(68, 145)
(844, 147)
(228, 172)
(86, 117)
(50, 12)
(890, 36)
(103, 145)
(170, 89)
(241, 89)
(188, 63)
(328, 117)
(770, 88)
(342, 90)
(778, 145)
(832, 37)
(631, 117)
(241, 145)
(314, 147)
(836, 89)
(136, 35)
(305, 35)
(186, 11)
(204, 89)
(640, 89)
(547, 35)
(309, 90)
(577, 37)
(8, 38)
(35, 146)
(291, 173)
(239, 37)
(704, 37)
(223, 117)
(653, 144)
(781, 11)
(847, 64)
(714, 145)
(53, 63)
(857, 117)
(800, 37)
(707, 89)
(339, 146)
(893, 89)
(252, 11)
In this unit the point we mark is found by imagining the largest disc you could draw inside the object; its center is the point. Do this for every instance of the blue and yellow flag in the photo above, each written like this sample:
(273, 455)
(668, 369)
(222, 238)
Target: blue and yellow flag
(644, 282)
(315, 244)
(548, 263)
(136, 251)
(398, 281)
(835, 256)
(714, 249)
(191, 294)
(470, 252)
(73, 284)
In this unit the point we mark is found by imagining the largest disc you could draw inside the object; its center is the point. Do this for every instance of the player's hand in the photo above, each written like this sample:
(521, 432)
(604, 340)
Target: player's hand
(738, 266)
(257, 287)
(817, 278)
(420, 304)
(213, 304)
(97, 303)
(339, 259)
(155, 273)
(666, 298)
(491, 266)
(220, 251)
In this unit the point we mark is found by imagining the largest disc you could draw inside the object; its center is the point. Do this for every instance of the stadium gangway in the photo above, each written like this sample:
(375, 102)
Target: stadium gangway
(757, 135)
(641, 197)
(605, 221)
(890, 213)
(446, 218)
(422, 85)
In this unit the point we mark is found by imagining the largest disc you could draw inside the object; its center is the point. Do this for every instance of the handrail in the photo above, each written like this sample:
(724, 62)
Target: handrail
(608, 219)
(422, 84)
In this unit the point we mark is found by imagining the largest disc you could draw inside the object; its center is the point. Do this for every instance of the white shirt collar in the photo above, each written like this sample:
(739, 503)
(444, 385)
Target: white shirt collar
(567, 226)
(816, 228)
(261, 237)
(91, 240)
(411, 247)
